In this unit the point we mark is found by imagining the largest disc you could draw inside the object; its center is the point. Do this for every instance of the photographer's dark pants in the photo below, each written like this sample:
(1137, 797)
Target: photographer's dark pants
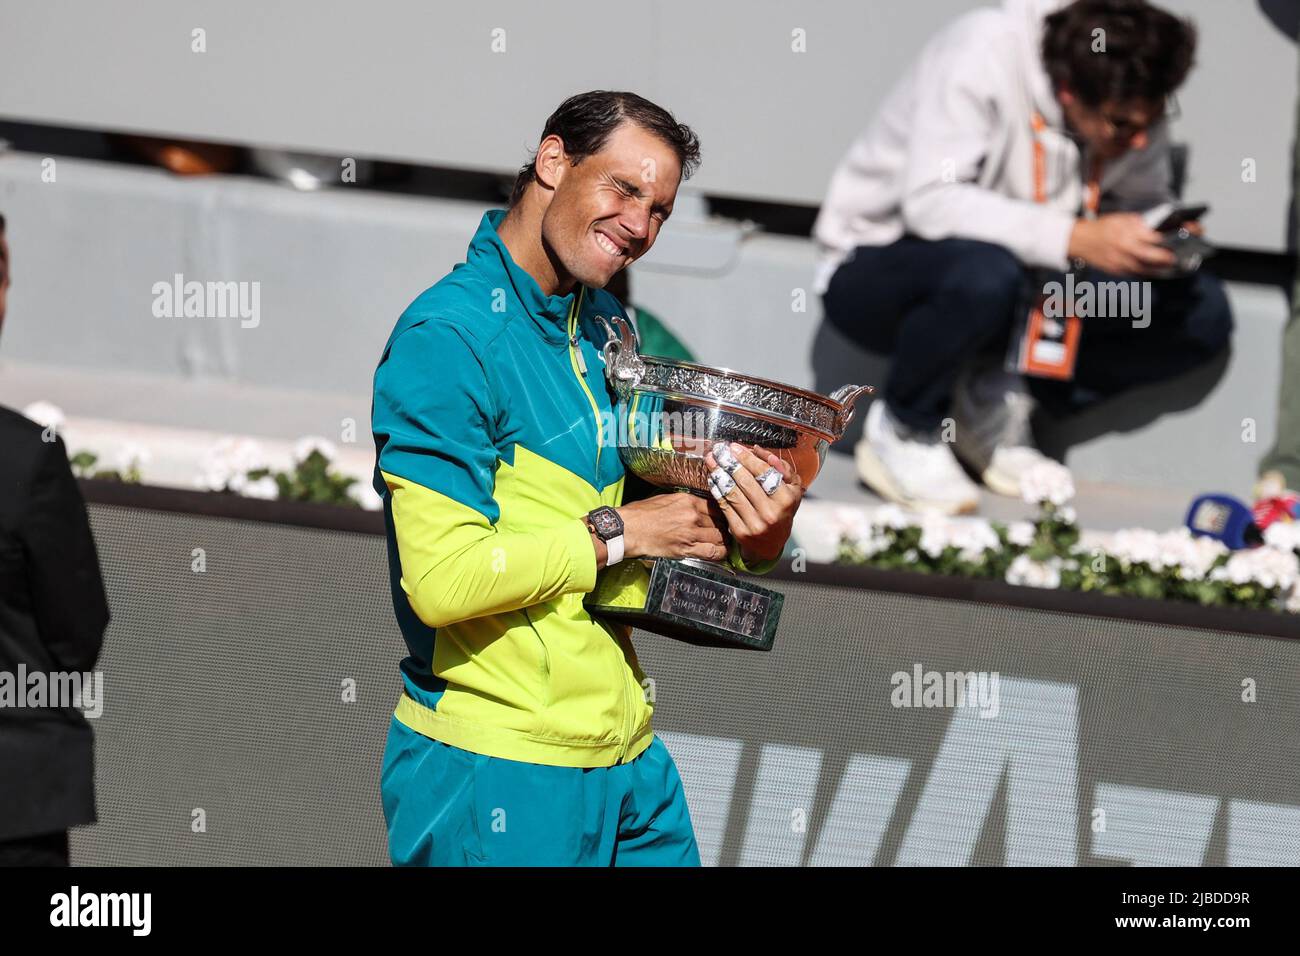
(932, 305)
(48, 849)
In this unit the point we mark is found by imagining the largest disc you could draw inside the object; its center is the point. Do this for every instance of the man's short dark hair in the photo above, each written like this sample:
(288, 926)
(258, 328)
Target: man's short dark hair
(1147, 52)
(585, 121)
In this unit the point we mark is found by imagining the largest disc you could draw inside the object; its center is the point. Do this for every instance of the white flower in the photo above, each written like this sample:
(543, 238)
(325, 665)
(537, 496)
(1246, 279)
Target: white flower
(264, 488)
(1137, 546)
(870, 544)
(1292, 604)
(1190, 554)
(1266, 566)
(365, 495)
(871, 532)
(1035, 574)
(936, 534)
(1047, 482)
(893, 517)
(1281, 567)
(227, 463)
(1021, 533)
(1284, 535)
(247, 455)
(1067, 514)
(303, 448)
(131, 455)
(1235, 571)
(212, 479)
(855, 529)
(973, 538)
(852, 523)
(46, 414)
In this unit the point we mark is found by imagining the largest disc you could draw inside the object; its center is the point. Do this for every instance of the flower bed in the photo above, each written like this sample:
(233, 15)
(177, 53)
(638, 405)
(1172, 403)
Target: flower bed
(1049, 553)
(307, 472)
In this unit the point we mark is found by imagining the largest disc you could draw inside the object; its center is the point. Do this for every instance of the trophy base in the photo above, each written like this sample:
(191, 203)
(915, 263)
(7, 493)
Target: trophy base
(699, 602)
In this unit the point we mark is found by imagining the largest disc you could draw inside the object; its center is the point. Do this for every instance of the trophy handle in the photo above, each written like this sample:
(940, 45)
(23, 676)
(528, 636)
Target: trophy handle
(621, 330)
(623, 365)
(846, 396)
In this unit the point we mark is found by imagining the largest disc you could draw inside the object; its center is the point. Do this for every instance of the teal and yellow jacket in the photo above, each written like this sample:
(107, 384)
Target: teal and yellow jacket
(489, 404)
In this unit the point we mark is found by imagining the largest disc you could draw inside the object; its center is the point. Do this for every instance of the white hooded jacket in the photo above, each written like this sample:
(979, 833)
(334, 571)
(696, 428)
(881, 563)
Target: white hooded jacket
(950, 152)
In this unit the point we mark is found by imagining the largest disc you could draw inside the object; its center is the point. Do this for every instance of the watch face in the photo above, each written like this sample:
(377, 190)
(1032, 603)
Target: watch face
(606, 522)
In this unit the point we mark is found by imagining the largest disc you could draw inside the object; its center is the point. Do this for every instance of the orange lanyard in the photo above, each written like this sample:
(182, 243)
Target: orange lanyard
(1091, 189)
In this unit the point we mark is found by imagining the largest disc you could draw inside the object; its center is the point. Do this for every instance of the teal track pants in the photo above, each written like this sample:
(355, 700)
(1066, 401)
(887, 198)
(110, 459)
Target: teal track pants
(450, 807)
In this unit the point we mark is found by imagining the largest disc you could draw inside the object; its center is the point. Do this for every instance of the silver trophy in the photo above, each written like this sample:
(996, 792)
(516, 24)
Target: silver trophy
(669, 414)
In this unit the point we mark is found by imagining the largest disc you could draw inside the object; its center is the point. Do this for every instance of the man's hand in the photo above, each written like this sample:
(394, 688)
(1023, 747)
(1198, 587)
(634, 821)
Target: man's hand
(1120, 243)
(676, 525)
(760, 522)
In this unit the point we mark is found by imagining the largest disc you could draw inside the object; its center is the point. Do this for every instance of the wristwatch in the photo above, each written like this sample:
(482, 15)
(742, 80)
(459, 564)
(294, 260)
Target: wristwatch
(606, 524)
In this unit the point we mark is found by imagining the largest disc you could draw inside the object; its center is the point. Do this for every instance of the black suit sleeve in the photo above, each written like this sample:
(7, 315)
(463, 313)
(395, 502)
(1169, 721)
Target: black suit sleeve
(68, 599)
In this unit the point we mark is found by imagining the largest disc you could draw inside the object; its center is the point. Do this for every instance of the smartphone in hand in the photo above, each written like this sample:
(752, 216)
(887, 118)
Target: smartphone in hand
(1168, 217)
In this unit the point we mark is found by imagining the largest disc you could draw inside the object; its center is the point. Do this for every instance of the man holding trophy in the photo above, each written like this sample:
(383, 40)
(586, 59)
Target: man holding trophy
(523, 734)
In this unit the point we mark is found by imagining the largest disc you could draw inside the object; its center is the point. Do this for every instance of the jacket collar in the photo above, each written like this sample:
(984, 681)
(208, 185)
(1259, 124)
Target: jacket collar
(548, 313)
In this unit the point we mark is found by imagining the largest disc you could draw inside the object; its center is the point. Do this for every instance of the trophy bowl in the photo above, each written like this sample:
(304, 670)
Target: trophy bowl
(669, 414)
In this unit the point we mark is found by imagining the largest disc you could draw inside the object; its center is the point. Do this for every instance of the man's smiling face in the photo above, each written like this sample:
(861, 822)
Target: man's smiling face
(607, 210)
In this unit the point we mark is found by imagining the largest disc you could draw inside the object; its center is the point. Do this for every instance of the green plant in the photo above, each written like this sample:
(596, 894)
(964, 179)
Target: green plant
(310, 480)
(83, 466)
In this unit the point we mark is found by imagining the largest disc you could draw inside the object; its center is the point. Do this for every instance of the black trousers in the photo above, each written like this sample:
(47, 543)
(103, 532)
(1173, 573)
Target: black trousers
(932, 305)
(48, 849)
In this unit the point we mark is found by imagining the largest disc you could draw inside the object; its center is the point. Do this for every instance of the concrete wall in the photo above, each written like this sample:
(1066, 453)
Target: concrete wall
(421, 82)
(335, 269)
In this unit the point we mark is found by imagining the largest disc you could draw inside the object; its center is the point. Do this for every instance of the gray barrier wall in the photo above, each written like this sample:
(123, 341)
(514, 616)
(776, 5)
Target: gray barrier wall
(1100, 742)
(776, 89)
(334, 270)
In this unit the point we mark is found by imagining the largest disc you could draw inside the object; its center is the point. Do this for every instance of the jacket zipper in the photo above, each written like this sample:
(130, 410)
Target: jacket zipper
(579, 366)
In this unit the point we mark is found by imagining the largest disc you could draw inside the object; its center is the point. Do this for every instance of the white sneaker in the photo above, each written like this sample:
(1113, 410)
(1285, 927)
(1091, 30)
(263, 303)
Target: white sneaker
(911, 468)
(992, 408)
